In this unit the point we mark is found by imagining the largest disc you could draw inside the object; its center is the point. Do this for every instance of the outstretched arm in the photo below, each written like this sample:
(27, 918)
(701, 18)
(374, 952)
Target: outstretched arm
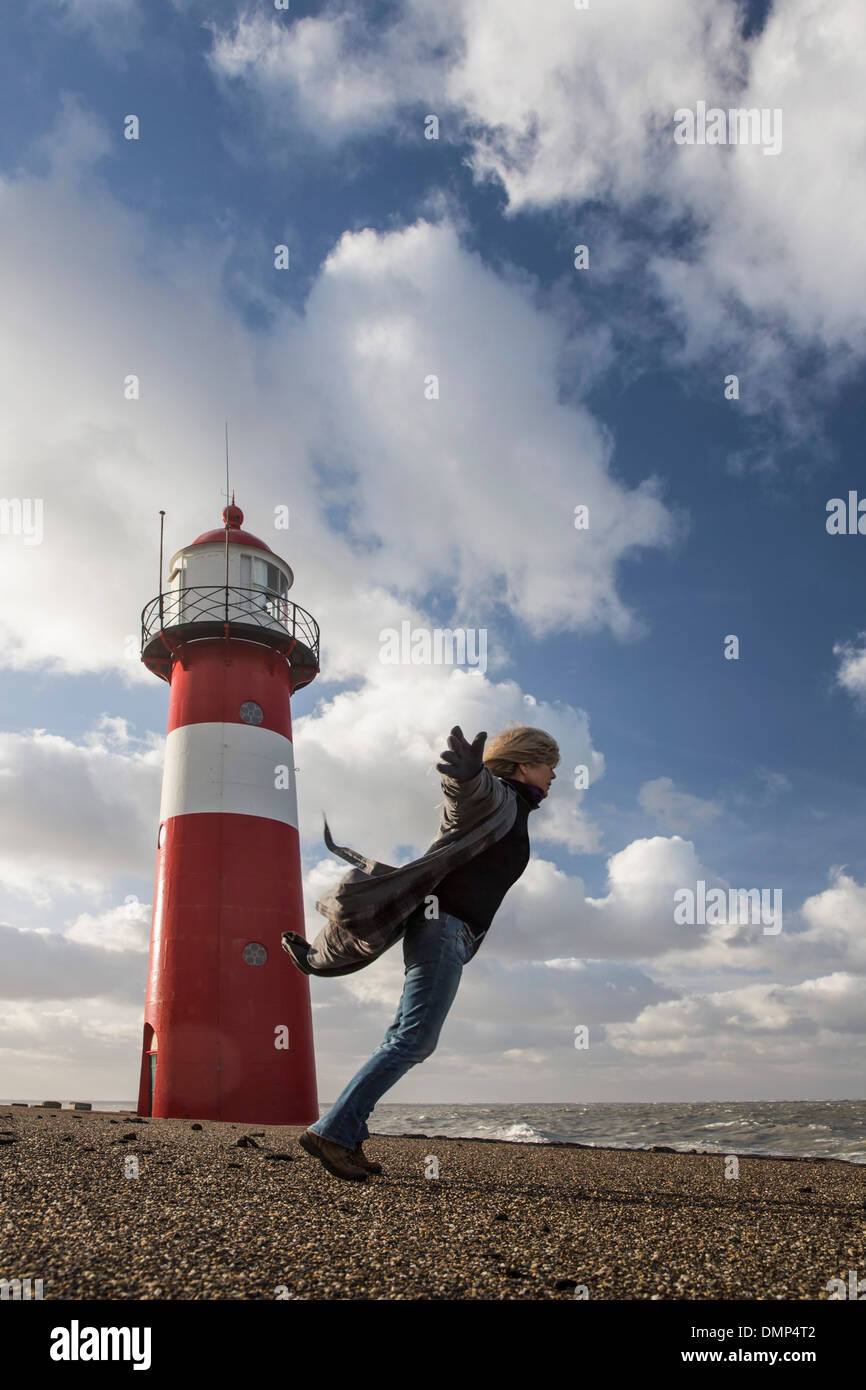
(467, 784)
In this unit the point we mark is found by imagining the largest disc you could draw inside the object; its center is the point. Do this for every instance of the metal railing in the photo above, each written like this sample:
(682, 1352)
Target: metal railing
(226, 603)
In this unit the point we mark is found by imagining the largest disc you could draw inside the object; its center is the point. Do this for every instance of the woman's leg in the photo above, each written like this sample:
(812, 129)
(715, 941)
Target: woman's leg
(434, 953)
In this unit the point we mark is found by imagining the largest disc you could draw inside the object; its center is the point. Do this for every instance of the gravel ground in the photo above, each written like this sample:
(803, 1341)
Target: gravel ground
(233, 1211)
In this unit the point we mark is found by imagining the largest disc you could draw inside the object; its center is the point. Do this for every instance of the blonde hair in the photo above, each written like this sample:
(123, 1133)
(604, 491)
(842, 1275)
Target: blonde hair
(517, 744)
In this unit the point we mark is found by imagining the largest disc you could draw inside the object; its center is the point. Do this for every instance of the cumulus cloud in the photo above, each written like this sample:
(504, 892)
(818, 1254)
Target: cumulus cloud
(119, 929)
(785, 1022)
(581, 108)
(835, 931)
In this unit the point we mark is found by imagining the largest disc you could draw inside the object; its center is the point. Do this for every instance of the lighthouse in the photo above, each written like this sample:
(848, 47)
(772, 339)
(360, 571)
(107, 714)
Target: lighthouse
(227, 1022)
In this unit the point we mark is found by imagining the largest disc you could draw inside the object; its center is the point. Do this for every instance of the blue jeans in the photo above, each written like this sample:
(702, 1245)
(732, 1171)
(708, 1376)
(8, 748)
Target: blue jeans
(434, 953)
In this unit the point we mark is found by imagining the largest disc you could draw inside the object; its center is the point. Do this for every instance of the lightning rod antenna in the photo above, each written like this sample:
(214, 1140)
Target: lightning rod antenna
(227, 521)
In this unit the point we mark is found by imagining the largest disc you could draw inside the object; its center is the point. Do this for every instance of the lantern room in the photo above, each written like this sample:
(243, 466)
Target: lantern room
(229, 583)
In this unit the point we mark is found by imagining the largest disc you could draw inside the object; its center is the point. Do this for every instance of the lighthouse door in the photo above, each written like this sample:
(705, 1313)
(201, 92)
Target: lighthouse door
(151, 1070)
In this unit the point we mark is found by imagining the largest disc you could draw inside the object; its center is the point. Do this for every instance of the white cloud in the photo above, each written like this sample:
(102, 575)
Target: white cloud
(123, 928)
(676, 810)
(786, 1023)
(835, 932)
(75, 814)
(851, 675)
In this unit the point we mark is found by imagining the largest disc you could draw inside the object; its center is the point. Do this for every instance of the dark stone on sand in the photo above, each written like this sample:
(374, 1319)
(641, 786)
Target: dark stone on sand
(195, 1126)
(245, 1142)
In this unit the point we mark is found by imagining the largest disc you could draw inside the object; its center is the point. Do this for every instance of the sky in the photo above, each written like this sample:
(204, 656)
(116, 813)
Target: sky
(433, 384)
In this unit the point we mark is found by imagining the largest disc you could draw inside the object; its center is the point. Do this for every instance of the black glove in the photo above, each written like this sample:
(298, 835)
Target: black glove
(464, 761)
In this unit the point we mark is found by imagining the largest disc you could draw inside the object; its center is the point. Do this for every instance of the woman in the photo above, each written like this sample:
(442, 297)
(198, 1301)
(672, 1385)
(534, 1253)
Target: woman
(482, 849)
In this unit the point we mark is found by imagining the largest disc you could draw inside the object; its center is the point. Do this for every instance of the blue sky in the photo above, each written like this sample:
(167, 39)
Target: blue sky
(558, 386)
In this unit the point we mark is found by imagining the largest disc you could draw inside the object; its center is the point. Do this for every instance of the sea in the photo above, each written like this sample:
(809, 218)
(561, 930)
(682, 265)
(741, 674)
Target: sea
(781, 1128)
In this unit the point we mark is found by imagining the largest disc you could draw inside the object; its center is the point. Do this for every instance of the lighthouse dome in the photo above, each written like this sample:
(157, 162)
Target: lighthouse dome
(233, 520)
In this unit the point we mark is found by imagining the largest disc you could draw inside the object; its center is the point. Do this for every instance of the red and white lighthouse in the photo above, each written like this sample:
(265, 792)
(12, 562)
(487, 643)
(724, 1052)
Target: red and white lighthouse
(227, 1023)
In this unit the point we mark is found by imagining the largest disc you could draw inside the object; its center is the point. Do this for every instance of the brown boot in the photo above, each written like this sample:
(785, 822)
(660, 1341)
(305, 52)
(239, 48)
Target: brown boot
(360, 1158)
(334, 1157)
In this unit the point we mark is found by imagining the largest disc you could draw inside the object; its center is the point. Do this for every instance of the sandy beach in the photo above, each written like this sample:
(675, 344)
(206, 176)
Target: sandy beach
(226, 1211)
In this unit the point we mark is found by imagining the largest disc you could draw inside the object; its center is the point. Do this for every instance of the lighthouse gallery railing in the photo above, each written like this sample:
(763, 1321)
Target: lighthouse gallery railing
(221, 603)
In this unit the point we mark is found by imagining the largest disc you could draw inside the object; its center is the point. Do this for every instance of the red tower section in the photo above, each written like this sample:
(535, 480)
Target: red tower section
(227, 1024)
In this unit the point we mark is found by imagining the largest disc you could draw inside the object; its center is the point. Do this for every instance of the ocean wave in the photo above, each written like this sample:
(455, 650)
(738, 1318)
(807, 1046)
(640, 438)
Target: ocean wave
(522, 1132)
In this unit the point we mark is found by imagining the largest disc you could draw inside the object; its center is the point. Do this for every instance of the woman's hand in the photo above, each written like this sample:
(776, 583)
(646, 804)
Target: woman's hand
(464, 761)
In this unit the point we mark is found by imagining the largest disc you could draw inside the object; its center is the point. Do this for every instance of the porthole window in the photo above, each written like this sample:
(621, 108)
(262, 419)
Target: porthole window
(255, 953)
(251, 713)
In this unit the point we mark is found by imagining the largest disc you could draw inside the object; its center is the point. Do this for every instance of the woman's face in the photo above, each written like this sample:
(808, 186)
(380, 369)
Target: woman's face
(536, 774)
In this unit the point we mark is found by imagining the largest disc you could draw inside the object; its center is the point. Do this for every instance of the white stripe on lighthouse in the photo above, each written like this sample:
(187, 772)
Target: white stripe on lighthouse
(233, 768)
